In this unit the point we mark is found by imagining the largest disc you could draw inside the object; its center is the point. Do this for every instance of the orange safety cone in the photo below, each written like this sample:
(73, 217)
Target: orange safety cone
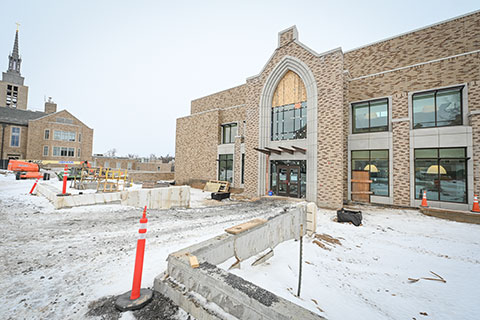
(424, 200)
(476, 207)
(35, 184)
(137, 298)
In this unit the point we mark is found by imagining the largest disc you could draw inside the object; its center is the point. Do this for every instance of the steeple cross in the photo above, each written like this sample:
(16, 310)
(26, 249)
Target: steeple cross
(18, 25)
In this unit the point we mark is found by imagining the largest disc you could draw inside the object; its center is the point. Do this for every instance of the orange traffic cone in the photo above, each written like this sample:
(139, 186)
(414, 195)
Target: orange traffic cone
(424, 200)
(476, 207)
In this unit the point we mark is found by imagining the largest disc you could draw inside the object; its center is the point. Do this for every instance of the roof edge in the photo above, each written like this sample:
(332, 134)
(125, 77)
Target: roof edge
(413, 31)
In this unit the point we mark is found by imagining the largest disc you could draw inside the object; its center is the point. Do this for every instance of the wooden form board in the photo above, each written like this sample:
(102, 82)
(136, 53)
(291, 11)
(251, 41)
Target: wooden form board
(245, 226)
(289, 90)
(217, 186)
(361, 186)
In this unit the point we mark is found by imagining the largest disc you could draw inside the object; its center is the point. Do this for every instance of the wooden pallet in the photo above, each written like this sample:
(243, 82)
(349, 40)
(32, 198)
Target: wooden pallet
(245, 226)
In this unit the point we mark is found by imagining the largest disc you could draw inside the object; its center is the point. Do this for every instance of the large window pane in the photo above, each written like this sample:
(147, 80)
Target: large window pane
(225, 167)
(424, 110)
(360, 118)
(453, 186)
(426, 179)
(379, 176)
(379, 115)
(449, 108)
(441, 175)
(426, 153)
(452, 153)
(289, 122)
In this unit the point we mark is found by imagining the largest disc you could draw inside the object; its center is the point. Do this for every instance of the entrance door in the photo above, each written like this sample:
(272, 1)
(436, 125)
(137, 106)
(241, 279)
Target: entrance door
(288, 181)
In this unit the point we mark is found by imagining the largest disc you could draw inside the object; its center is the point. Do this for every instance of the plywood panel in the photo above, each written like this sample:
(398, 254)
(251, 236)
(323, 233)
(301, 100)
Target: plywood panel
(289, 90)
(361, 186)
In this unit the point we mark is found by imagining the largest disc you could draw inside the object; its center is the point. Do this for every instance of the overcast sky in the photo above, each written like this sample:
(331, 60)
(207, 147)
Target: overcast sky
(128, 69)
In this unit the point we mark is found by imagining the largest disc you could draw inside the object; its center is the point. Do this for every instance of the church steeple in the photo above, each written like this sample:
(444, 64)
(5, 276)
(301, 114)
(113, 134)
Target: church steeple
(14, 61)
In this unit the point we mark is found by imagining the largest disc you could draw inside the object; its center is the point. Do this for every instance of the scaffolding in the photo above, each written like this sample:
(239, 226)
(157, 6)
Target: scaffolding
(110, 180)
(103, 179)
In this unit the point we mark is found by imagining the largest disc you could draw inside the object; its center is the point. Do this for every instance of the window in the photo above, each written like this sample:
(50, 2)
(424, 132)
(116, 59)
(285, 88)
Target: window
(64, 120)
(370, 116)
(12, 96)
(79, 137)
(438, 108)
(229, 131)
(442, 173)
(129, 166)
(225, 167)
(15, 137)
(46, 136)
(243, 169)
(45, 151)
(376, 163)
(119, 165)
(63, 152)
(64, 135)
(106, 164)
(78, 152)
(289, 122)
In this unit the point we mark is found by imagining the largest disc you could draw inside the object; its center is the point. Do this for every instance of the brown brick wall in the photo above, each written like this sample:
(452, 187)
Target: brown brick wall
(36, 140)
(7, 149)
(401, 154)
(146, 176)
(196, 147)
(220, 100)
(454, 37)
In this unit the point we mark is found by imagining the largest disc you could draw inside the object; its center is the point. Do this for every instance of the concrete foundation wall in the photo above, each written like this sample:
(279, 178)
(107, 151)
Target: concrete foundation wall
(208, 292)
(158, 198)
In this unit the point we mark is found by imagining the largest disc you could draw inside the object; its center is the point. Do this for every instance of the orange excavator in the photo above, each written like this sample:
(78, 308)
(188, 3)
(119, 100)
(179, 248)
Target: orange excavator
(26, 170)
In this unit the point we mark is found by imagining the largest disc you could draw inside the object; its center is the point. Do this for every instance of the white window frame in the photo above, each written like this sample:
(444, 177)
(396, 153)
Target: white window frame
(48, 151)
(19, 137)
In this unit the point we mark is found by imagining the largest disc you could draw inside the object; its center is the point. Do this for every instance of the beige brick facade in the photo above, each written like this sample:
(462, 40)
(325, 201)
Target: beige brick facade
(443, 55)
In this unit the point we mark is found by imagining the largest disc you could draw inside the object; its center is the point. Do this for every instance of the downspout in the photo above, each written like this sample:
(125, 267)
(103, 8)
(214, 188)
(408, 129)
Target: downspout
(3, 140)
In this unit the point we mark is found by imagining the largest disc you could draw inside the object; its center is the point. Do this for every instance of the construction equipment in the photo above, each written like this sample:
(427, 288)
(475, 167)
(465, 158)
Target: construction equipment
(26, 170)
(73, 172)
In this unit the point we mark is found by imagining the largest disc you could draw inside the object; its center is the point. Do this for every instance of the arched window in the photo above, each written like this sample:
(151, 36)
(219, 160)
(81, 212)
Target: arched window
(289, 109)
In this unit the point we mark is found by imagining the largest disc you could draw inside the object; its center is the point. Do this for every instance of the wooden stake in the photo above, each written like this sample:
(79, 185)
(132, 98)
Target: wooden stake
(300, 265)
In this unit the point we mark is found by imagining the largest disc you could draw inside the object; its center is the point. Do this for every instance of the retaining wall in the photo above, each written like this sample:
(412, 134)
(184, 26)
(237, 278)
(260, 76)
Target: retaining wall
(157, 198)
(209, 292)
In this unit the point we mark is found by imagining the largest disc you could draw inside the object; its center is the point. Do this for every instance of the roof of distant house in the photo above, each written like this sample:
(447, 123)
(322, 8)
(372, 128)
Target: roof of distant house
(20, 117)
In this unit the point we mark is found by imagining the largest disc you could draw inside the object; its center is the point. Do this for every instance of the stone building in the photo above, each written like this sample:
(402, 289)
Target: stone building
(56, 136)
(381, 123)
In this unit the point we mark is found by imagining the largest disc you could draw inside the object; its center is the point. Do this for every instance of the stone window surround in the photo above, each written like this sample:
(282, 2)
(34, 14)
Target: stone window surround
(48, 151)
(19, 136)
(289, 63)
(382, 140)
(442, 137)
(45, 134)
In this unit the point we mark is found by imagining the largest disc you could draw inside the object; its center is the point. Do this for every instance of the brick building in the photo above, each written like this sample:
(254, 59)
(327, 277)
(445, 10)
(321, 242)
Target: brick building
(32, 135)
(381, 123)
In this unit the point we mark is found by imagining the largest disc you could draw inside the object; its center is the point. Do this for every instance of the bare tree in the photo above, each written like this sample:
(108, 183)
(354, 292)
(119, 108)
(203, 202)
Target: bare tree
(111, 152)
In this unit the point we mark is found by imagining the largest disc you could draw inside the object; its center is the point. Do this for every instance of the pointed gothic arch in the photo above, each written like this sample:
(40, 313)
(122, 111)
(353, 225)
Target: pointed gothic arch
(289, 63)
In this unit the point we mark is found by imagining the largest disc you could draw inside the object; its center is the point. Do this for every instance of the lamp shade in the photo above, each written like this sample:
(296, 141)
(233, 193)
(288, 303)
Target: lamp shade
(433, 169)
(371, 168)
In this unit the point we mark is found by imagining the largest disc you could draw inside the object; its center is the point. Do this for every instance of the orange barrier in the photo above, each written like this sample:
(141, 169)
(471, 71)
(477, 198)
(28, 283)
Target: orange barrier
(137, 274)
(65, 177)
(34, 185)
(424, 200)
(476, 207)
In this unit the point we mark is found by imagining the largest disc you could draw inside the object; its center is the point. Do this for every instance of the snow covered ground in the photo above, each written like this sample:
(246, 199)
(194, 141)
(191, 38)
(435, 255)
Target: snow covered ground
(366, 275)
(55, 262)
